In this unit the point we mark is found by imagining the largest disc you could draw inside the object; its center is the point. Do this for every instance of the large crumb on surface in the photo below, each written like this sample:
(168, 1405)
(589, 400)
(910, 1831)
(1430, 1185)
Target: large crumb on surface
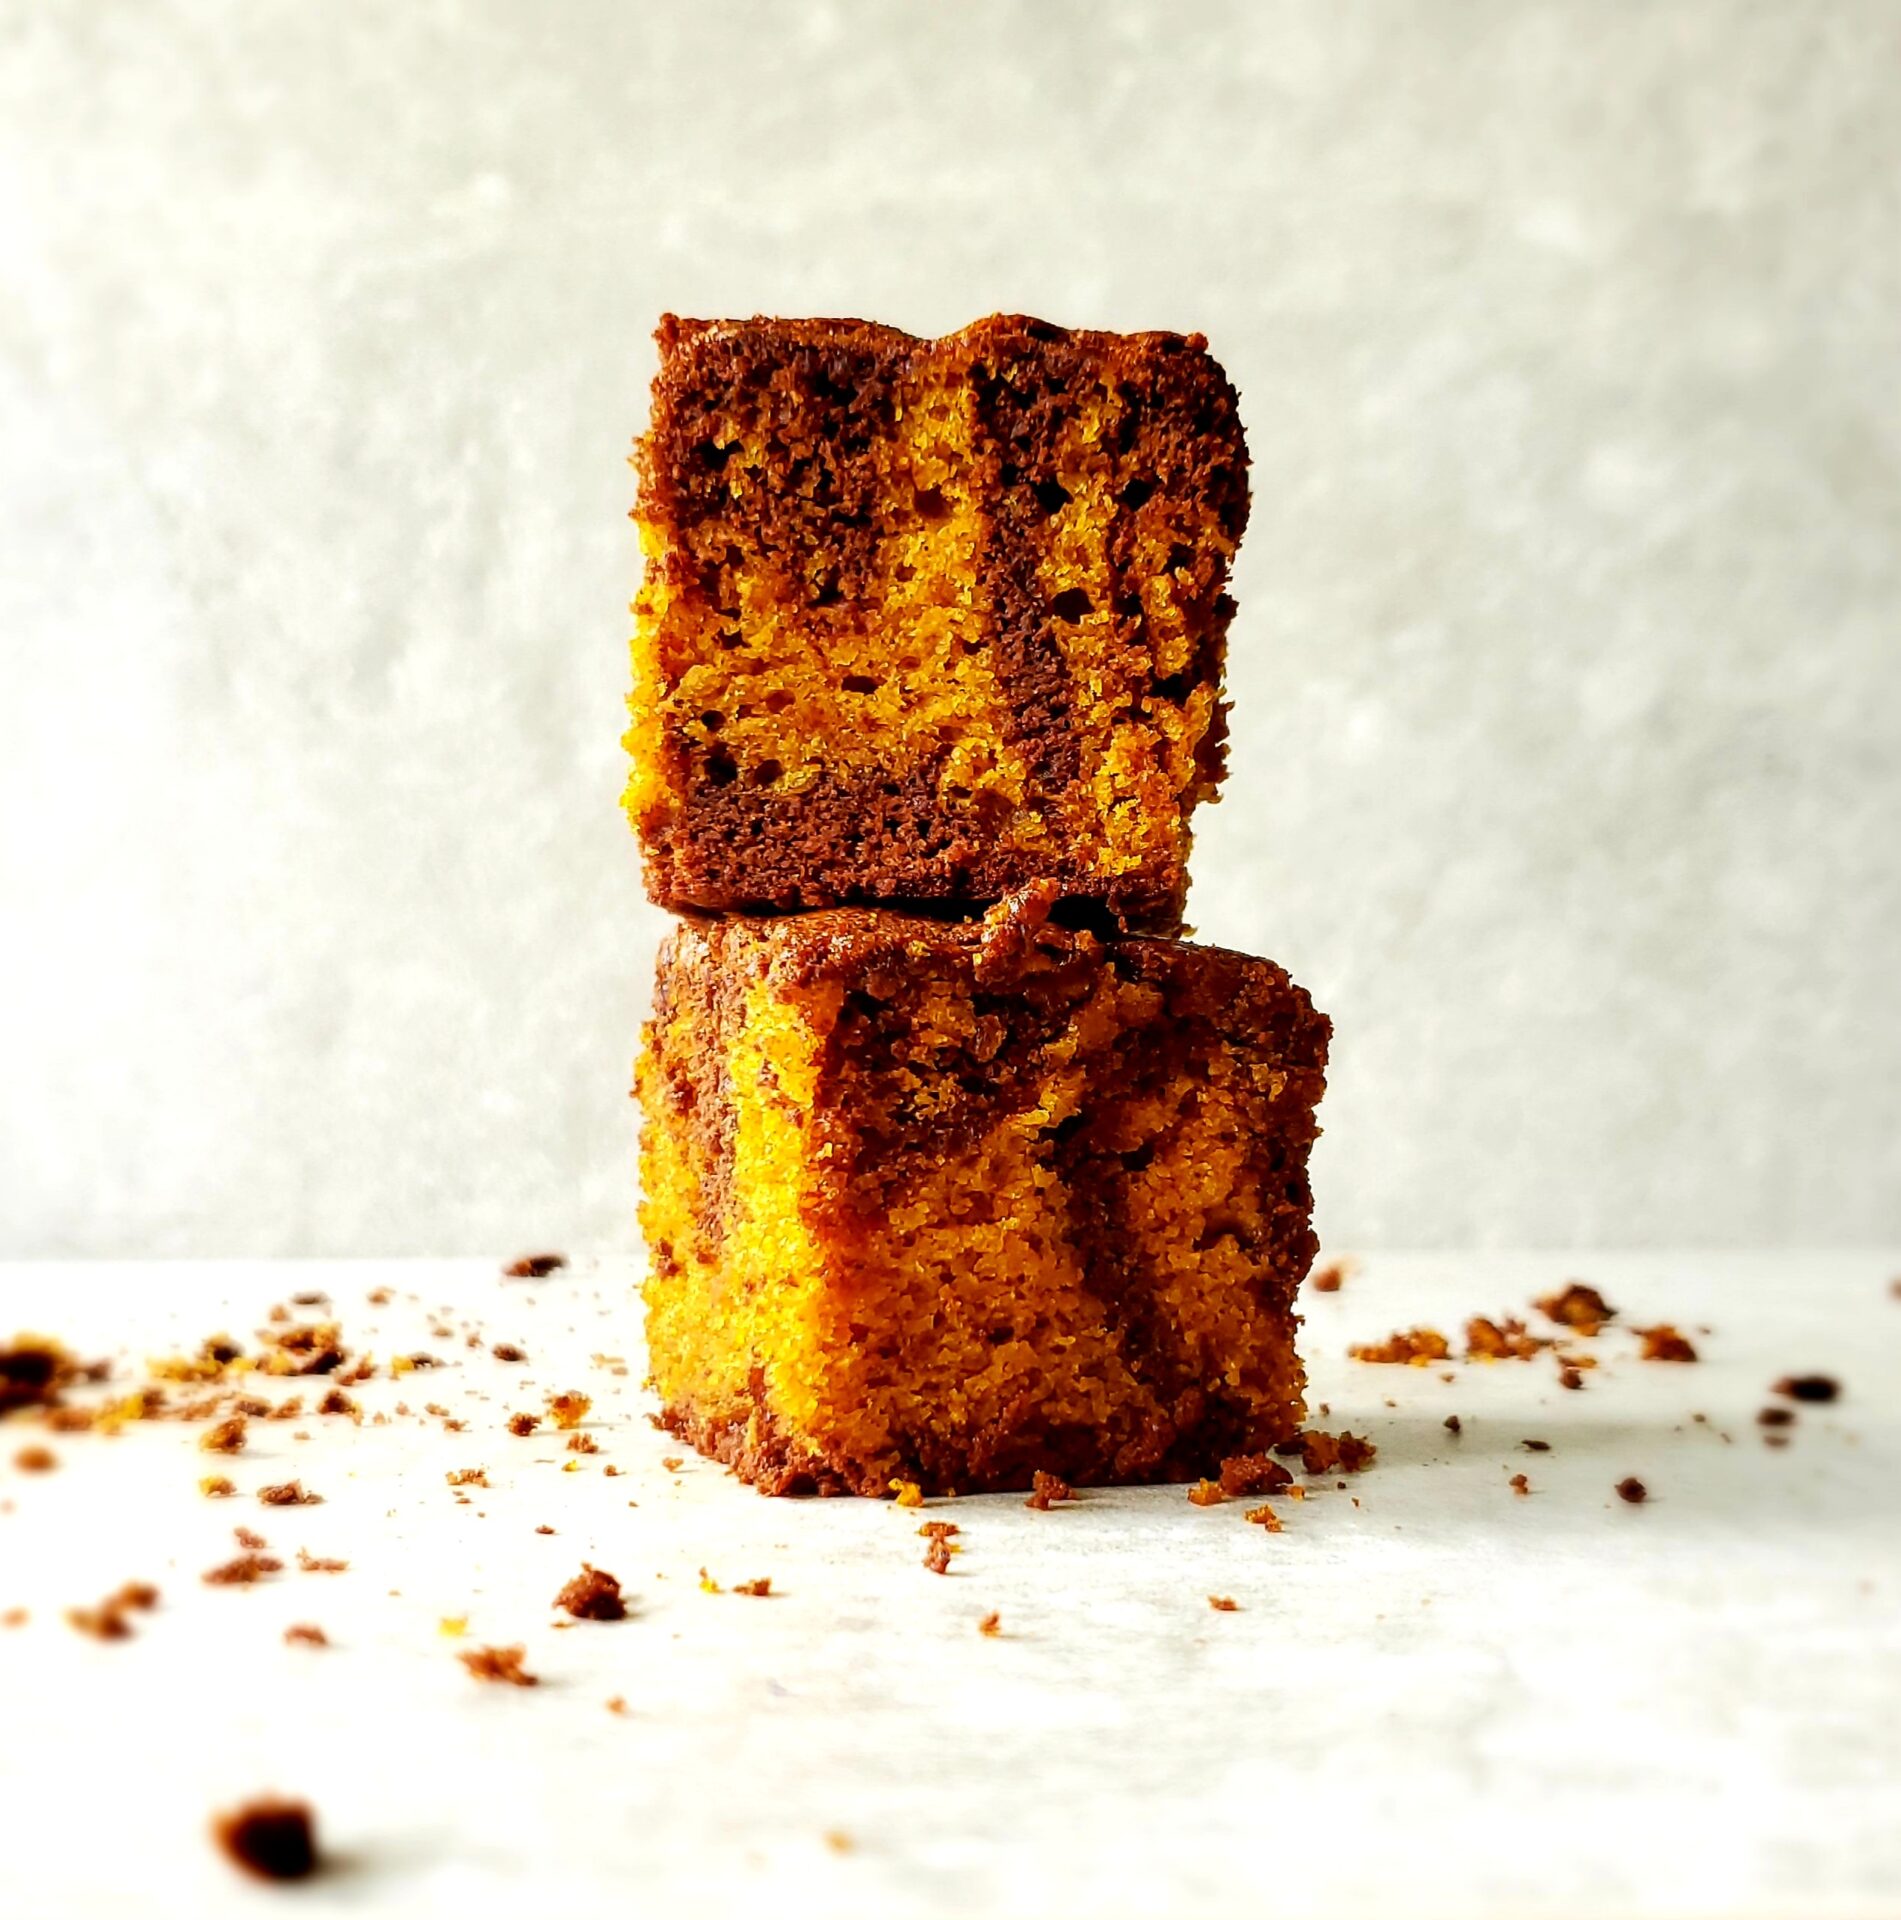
(1632, 1489)
(1816, 1388)
(1327, 1453)
(534, 1266)
(1417, 1347)
(1664, 1342)
(592, 1595)
(1583, 1309)
(990, 1625)
(568, 1410)
(468, 1477)
(759, 1589)
(937, 1556)
(521, 1425)
(271, 1838)
(500, 1665)
(226, 1437)
(107, 1621)
(289, 1493)
(1331, 1277)
(34, 1371)
(1252, 1473)
(1223, 1603)
(1520, 1483)
(1047, 1490)
(36, 1459)
(1507, 1339)
(246, 1570)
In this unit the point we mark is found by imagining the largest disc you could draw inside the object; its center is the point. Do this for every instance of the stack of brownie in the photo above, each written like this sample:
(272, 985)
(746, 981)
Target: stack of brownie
(959, 1163)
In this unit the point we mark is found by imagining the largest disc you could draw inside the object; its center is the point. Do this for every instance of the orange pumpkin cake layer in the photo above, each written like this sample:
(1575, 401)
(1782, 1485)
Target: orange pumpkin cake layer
(952, 1202)
(926, 620)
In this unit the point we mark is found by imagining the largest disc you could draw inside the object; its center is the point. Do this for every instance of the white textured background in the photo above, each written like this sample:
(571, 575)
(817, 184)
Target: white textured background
(1568, 669)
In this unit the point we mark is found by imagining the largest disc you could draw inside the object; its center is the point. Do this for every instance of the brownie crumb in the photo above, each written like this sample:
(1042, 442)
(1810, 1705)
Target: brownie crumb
(1506, 1339)
(316, 1563)
(1248, 1473)
(14, 1617)
(1453, 1424)
(506, 1350)
(673, 1463)
(544, 1530)
(616, 1703)
(1223, 1603)
(1322, 1453)
(305, 1635)
(1206, 1493)
(521, 1425)
(273, 1839)
(592, 1595)
(1816, 1388)
(248, 1568)
(379, 1296)
(468, 1477)
(251, 1542)
(1570, 1378)
(1776, 1417)
(1519, 1484)
(1047, 1490)
(226, 1437)
(938, 1530)
(1418, 1347)
(1333, 1276)
(107, 1621)
(36, 1459)
(583, 1443)
(339, 1402)
(1264, 1517)
(34, 1372)
(908, 1492)
(502, 1666)
(937, 1556)
(289, 1493)
(990, 1625)
(534, 1266)
(1536, 1446)
(215, 1486)
(839, 1842)
(1632, 1489)
(760, 1589)
(1583, 1309)
(1664, 1342)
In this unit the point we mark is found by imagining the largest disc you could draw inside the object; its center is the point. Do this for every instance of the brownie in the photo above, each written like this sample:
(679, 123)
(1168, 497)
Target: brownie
(927, 620)
(959, 1202)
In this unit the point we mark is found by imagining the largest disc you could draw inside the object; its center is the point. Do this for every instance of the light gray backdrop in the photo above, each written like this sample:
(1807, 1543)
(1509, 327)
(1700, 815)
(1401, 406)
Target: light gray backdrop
(1566, 678)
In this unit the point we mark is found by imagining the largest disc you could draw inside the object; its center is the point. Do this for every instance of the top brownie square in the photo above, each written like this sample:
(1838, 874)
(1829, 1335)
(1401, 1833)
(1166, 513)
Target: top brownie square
(924, 621)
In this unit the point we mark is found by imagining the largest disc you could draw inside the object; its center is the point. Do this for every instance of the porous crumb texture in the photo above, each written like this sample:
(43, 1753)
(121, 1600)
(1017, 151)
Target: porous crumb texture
(925, 620)
(955, 1202)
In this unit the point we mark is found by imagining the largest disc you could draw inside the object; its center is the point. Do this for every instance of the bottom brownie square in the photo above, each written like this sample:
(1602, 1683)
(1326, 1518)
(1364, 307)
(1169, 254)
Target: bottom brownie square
(954, 1202)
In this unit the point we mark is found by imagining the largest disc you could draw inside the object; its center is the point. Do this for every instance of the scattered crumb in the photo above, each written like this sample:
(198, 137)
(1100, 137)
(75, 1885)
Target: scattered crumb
(316, 1563)
(1322, 1453)
(14, 1617)
(991, 1625)
(760, 1589)
(500, 1665)
(1245, 1473)
(592, 1595)
(1333, 1276)
(534, 1266)
(34, 1371)
(937, 1556)
(214, 1486)
(289, 1493)
(544, 1530)
(1583, 1309)
(616, 1704)
(1047, 1490)
(1506, 1339)
(1570, 1378)
(507, 1350)
(1632, 1489)
(1536, 1446)
(707, 1583)
(337, 1401)
(107, 1621)
(1664, 1342)
(226, 1437)
(305, 1635)
(244, 1571)
(1222, 1603)
(583, 1443)
(36, 1459)
(1264, 1517)
(1417, 1348)
(839, 1842)
(1519, 1484)
(1817, 1388)
(1453, 1424)
(909, 1493)
(273, 1839)
(378, 1296)
(1206, 1493)
(938, 1529)
(521, 1425)
(250, 1541)
(468, 1477)
(1776, 1417)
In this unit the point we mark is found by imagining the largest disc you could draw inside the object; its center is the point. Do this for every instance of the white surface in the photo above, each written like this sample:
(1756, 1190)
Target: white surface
(1444, 1700)
(1569, 650)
